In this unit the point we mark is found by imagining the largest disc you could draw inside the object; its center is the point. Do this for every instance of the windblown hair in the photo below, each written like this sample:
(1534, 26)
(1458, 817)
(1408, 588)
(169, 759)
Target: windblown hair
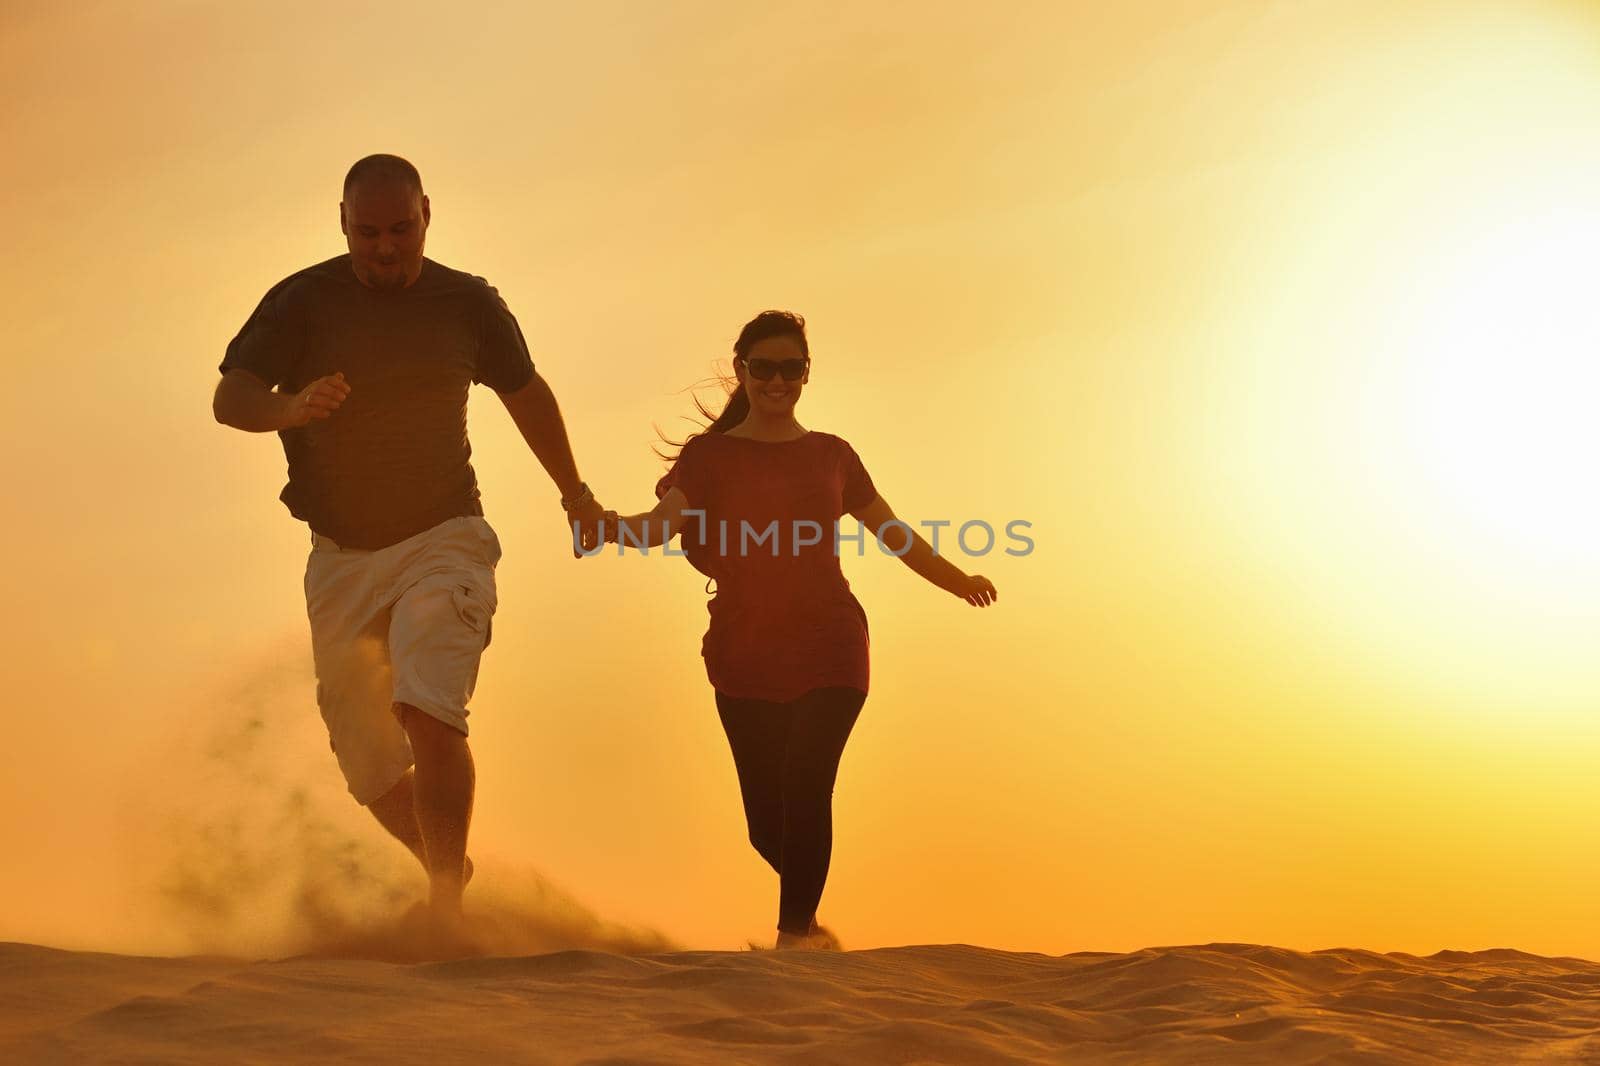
(764, 326)
(382, 167)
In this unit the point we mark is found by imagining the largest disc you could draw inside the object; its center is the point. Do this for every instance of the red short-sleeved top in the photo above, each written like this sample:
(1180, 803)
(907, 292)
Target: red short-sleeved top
(783, 621)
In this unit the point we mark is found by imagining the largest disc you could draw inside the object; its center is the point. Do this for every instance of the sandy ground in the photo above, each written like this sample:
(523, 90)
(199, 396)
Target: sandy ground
(1217, 1003)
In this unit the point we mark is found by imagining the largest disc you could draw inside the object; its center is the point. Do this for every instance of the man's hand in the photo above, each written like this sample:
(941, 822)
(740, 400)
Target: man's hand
(244, 401)
(586, 516)
(317, 400)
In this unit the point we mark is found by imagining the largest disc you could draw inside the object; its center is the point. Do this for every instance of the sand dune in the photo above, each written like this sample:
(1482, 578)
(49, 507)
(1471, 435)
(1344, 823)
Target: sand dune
(1217, 1003)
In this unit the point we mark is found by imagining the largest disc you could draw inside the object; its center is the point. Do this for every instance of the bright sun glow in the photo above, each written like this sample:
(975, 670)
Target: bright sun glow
(1500, 381)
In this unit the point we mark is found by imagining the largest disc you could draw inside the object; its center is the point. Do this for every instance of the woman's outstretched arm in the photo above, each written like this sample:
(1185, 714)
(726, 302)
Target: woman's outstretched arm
(651, 528)
(975, 589)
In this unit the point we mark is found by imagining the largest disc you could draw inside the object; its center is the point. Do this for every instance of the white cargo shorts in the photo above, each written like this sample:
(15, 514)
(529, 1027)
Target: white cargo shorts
(403, 624)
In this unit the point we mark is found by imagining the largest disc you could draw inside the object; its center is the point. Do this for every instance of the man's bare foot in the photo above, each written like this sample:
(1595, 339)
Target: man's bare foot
(444, 898)
(435, 934)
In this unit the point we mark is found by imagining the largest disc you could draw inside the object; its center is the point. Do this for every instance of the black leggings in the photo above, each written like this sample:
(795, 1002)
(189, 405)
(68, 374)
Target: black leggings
(787, 755)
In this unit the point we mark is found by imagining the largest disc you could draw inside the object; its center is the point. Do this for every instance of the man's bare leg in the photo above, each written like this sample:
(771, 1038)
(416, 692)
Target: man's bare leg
(442, 788)
(396, 811)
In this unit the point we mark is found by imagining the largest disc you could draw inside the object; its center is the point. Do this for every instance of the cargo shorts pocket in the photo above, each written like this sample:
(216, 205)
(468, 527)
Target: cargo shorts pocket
(474, 611)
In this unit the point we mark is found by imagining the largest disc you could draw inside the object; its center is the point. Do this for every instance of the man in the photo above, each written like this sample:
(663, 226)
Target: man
(362, 365)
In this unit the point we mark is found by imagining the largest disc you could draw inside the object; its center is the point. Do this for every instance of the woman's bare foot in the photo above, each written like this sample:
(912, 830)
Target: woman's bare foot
(820, 938)
(825, 937)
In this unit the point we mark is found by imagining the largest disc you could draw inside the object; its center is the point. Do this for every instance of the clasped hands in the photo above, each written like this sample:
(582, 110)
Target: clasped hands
(592, 525)
(584, 519)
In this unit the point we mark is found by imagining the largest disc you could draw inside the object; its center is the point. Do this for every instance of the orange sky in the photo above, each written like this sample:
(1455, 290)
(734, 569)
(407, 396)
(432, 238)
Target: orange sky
(1275, 320)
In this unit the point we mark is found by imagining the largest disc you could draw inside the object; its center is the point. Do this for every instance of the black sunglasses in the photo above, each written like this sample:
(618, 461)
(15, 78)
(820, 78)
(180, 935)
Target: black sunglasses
(763, 369)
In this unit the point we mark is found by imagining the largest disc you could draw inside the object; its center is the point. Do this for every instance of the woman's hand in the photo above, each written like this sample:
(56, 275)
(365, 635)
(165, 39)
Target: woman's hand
(610, 527)
(976, 590)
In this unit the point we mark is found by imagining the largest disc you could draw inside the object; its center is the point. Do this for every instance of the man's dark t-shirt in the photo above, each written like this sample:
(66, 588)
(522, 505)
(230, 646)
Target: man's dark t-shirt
(392, 461)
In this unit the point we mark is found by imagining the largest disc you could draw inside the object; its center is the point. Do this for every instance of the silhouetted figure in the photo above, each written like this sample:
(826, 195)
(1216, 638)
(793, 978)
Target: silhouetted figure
(756, 498)
(362, 365)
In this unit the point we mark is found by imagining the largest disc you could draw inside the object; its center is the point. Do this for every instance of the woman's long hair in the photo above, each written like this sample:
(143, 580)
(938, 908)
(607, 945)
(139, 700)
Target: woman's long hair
(762, 327)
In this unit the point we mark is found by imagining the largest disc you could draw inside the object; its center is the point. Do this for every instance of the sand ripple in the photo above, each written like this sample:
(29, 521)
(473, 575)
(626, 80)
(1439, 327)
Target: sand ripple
(1232, 1003)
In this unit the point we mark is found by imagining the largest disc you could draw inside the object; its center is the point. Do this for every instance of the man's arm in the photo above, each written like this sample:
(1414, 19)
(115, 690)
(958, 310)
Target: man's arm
(245, 402)
(533, 408)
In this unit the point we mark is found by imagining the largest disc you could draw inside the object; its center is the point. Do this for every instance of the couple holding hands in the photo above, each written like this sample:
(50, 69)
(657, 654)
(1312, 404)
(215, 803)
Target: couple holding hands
(362, 365)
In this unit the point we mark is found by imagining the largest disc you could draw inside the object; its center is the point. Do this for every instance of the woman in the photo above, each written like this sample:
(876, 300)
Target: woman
(757, 497)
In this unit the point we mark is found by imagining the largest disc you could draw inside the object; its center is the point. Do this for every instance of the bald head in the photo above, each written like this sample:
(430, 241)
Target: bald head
(382, 169)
